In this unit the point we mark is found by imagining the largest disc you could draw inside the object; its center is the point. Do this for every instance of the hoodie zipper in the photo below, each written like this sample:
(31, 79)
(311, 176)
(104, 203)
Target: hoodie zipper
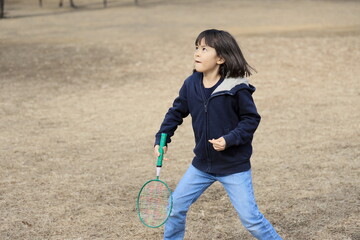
(206, 102)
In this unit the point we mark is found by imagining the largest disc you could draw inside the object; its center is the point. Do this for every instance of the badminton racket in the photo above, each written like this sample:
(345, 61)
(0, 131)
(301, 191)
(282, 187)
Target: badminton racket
(154, 201)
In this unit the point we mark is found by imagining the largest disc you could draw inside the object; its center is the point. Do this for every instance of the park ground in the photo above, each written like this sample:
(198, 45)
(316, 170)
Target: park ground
(83, 91)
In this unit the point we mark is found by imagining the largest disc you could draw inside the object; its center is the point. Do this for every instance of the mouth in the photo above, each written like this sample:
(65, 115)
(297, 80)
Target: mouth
(197, 61)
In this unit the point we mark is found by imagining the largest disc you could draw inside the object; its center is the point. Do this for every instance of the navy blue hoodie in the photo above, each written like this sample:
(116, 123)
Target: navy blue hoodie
(230, 112)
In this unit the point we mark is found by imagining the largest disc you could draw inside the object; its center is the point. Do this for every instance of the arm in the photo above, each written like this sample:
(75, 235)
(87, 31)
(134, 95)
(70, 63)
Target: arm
(174, 117)
(249, 120)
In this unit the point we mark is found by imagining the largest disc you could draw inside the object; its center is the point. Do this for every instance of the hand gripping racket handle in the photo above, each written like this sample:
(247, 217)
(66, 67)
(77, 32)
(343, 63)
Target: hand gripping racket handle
(161, 151)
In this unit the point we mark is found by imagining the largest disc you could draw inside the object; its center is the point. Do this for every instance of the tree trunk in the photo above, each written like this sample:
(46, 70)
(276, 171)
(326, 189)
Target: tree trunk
(2, 8)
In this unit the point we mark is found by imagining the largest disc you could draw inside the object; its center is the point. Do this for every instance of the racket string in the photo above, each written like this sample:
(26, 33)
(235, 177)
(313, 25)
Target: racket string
(154, 203)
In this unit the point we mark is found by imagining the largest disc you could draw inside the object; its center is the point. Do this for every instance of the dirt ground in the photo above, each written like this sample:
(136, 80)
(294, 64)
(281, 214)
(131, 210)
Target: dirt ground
(82, 93)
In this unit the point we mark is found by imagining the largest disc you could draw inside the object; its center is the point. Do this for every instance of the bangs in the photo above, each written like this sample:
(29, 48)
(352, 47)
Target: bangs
(209, 37)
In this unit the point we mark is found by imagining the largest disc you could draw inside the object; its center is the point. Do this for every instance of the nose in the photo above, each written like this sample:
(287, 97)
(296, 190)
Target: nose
(197, 53)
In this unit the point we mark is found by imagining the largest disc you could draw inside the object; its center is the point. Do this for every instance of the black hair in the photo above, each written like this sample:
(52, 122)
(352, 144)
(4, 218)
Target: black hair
(227, 48)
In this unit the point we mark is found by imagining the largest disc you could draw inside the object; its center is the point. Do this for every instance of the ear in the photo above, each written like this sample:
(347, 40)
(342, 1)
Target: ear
(220, 60)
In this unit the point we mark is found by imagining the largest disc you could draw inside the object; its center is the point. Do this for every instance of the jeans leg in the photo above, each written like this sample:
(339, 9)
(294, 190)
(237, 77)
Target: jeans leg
(188, 190)
(240, 190)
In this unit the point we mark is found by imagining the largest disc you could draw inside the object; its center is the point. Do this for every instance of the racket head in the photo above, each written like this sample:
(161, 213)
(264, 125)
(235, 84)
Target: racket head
(154, 203)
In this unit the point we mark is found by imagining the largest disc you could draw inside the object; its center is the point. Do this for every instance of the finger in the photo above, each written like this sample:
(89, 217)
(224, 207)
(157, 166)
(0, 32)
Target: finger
(213, 141)
(156, 151)
(217, 145)
(217, 142)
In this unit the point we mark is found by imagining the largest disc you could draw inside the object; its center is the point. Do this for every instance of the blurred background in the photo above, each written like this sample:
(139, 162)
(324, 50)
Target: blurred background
(84, 89)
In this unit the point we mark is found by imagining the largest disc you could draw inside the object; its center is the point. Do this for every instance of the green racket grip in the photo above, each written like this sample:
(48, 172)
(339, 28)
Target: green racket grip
(161, 149)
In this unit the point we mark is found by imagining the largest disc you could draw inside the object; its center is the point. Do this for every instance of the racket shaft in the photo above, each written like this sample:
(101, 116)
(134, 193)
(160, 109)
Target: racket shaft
(158, 169)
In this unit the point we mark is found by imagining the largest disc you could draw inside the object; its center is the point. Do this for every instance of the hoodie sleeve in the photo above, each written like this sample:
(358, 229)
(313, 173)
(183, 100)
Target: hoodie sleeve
(249, 120)
(174, 116)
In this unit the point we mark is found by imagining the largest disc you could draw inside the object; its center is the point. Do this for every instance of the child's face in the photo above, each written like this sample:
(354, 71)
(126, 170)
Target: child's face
(206, 59)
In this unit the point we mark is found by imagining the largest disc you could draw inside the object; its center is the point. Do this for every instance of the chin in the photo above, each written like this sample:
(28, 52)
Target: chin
(197, 70)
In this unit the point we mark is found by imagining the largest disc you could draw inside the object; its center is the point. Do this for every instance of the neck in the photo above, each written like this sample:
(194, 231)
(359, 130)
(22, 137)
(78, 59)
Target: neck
(212, 77)
(210, 82)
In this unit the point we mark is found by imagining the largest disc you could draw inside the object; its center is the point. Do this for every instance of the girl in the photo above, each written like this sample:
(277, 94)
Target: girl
(224, 119)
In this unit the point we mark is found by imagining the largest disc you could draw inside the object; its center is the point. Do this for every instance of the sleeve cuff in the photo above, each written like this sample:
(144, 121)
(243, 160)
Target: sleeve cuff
(230, 140)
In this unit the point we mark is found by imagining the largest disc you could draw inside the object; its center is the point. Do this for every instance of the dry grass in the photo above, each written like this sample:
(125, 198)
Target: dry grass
(83, 92)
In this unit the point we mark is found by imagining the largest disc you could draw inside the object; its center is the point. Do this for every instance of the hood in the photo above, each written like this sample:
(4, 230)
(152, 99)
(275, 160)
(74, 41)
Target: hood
(233, 85)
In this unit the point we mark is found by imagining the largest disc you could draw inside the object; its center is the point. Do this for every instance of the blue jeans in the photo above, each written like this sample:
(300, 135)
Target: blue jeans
(240, 190)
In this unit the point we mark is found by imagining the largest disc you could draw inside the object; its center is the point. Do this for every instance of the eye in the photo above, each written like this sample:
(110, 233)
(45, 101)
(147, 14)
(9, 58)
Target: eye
(204, 49)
